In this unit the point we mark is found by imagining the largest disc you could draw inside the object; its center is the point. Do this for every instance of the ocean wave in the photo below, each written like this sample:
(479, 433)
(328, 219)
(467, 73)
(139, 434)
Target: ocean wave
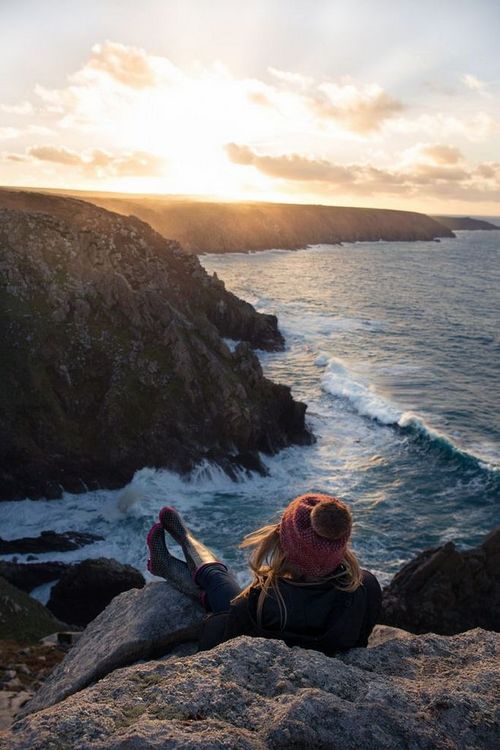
(339, 382)
(304, 323)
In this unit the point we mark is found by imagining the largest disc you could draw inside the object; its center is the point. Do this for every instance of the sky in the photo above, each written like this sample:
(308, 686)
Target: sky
(387, 103)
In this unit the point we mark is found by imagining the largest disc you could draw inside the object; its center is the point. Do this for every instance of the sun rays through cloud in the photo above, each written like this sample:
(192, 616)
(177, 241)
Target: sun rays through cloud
(130, 119)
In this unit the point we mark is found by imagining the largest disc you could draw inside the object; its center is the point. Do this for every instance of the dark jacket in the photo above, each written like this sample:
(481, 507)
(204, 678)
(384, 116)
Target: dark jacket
(320, 616)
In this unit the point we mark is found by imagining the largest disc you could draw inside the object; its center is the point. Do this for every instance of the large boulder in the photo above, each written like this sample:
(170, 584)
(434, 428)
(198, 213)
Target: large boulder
(446, 591)
(22, 618)
(424, 693)
(85, 589)
(114, 358)
(138, 624)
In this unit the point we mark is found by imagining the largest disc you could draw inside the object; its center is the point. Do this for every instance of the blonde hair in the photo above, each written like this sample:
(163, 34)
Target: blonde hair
(269, 563)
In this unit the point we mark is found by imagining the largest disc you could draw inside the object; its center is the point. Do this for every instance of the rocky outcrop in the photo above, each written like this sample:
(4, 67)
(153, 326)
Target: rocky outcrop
(86, 589)
(464, 222)
(422, 692)
(114, 358)
(446, 591)
(210, 227)
(22, 618)
(27, 576)
(138, 624)
(48, 541)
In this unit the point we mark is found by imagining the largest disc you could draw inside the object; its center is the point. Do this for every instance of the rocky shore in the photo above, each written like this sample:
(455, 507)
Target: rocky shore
(115, 358)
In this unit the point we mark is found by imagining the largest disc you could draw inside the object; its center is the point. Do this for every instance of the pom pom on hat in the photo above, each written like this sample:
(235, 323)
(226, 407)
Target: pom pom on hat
(314, 532)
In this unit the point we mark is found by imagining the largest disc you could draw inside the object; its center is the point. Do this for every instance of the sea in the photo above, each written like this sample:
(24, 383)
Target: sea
(395, 349)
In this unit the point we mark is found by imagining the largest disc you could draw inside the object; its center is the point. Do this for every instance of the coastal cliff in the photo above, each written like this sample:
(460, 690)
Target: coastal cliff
(114, 357)
(217, 227)
(203, 227)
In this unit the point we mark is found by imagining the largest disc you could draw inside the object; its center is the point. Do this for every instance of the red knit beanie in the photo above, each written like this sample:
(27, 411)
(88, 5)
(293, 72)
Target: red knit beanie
(314, 532)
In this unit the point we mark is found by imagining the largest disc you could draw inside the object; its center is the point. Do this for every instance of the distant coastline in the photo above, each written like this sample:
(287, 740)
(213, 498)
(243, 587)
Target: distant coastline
(465, 222)
(203, 226)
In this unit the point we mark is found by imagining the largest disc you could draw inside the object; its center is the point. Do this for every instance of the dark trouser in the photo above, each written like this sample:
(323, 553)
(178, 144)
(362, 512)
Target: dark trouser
(219, 586)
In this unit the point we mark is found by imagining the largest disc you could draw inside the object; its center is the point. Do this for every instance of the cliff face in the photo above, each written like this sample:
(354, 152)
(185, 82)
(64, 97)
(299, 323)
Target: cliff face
(210, 227)
(113, 357)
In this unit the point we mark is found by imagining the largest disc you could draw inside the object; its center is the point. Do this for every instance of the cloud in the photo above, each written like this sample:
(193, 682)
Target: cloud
(123, 107)
(260, 98)
(289, 167)
(21, 108)
(6, 133)
(437, 172)
(58, 154)
(361, 109)
(15, 157)
(475, 129)
(441, 153)
(130, 66)
(108, 88)
(295, 79)
(475, 84)
(432, 153)
(95, 162)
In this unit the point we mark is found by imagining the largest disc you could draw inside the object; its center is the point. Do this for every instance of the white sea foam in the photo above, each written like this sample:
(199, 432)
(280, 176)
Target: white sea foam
(231, 343)
(338, 381)
(309, 324)
(321, 360)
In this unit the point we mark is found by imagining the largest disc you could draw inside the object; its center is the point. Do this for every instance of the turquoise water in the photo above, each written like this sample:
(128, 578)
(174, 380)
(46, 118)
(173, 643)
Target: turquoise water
(395, 347)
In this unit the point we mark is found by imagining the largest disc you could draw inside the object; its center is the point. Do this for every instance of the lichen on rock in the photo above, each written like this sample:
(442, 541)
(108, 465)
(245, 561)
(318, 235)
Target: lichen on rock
(422, 692)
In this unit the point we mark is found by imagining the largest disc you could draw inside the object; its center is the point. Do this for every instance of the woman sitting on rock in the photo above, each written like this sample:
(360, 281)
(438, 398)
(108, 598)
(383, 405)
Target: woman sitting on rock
(307, 589)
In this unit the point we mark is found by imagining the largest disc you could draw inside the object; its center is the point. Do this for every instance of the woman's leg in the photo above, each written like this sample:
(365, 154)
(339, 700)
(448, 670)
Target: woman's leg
(208, 572)
(161, 563)
(219, 585)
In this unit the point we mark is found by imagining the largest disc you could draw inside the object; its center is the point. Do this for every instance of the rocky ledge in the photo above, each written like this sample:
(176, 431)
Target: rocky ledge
(421, 692)
(114, 357)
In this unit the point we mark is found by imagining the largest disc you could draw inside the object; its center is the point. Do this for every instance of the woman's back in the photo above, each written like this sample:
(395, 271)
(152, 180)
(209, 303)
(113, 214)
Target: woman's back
(319, 615)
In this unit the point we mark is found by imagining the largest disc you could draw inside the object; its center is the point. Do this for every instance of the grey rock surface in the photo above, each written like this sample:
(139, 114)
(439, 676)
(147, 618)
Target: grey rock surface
(420, 692)
(137, 624)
